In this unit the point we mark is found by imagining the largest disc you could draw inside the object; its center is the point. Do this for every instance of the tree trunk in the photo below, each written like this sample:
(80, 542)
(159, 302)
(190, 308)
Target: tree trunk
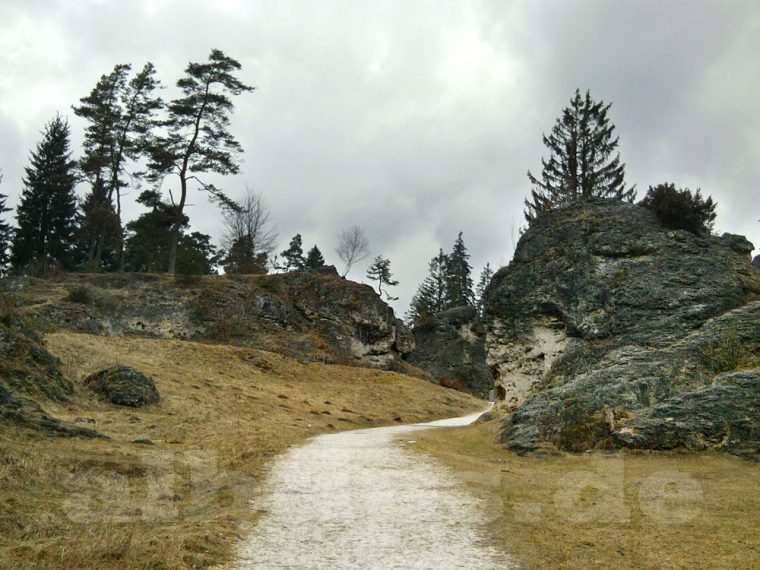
(173, 248)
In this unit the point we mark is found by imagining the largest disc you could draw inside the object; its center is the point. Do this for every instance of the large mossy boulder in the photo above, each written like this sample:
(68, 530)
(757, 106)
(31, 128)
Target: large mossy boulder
(609, 329)
(124, 386)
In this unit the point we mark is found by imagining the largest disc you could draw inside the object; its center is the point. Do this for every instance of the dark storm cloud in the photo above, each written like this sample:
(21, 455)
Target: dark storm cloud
(415, 119)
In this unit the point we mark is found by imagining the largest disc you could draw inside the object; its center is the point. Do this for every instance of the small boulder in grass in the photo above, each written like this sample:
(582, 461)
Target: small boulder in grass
(124, 386)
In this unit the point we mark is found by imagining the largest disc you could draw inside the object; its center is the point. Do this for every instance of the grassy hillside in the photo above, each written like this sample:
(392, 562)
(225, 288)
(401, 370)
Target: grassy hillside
(170, 488)
(620, 510)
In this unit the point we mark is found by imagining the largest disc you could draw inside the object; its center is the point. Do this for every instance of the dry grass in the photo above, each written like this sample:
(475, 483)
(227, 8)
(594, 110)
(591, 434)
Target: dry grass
(645, 510)
(171, 488)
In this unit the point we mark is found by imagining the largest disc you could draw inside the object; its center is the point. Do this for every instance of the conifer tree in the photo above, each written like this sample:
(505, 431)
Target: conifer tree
(99, 232)
(5, 234)
(243, 258)
(120, 115)
(583, 163)
(458, 276)
(197, 138)
(46, 214)
(147, 242)
(293, 256)
(314, 259)
(485, 278)
(430, 298)
(380, 271)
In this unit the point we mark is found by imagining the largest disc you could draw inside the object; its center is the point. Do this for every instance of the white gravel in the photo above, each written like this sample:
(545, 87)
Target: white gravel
(358, 500)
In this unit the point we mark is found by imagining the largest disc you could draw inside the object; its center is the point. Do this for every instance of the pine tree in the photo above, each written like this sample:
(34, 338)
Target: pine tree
(99, 235)
(47, 211)
(198, 139)
(380, 271)
(581, 164)
(485, 278)
(147, 242)
(314, 259)
(293, 256)
(243, 257)
(120, 114)
(430, 298)
(458, 276)
(5, 234)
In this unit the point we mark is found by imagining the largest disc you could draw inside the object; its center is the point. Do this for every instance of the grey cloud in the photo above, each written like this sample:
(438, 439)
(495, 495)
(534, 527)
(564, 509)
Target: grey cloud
(415, 119)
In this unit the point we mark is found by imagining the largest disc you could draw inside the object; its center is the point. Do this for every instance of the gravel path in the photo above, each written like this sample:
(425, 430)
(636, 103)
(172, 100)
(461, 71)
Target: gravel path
(358, 500)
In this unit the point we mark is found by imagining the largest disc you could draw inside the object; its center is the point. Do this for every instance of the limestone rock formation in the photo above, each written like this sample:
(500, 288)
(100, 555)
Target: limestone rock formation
(312, 315)
(124, 386)
(608, 329)
(452, 349)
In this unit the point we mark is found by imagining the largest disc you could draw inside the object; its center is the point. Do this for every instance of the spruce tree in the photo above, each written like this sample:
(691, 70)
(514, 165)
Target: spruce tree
(380, 271)
(47, 212)
(583, 163)
(458, 276)
(314, 259)
(485, 278)
(430, 298)
(293, 256)
(5, 234)
(120, 114)
(197, 138)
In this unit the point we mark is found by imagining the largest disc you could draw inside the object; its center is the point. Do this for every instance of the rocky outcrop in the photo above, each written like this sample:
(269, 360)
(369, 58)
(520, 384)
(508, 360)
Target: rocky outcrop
(756, 262)
(358, 325)
(608, 330)
(722, 416)
(451, 347)
(28, 372)
(124, 386)
(312, 315)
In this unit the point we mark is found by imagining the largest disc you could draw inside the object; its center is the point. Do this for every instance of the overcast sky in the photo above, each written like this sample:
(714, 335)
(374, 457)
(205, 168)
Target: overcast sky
(414, 119)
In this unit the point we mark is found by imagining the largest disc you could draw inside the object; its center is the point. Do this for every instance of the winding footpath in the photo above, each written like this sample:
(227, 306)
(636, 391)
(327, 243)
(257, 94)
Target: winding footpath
(357, 500)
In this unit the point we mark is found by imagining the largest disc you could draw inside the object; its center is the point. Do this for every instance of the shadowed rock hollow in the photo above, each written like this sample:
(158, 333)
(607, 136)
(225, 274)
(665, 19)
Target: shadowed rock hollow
(608, 330)
(451, 347)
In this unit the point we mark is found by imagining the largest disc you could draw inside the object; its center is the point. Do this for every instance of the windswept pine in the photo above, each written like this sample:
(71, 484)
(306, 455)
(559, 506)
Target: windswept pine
(196, 138)
(120, 112)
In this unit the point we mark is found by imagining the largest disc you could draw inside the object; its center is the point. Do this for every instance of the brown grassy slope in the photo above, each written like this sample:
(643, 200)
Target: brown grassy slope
(171, 487)
(646, 510)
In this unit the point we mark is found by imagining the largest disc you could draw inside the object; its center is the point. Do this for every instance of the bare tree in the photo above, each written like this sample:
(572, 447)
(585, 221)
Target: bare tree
(352, 247)
(249, 236)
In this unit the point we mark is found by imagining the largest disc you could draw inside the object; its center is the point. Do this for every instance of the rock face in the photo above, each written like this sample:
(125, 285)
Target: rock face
(306, 314)
(452, 348)
(610, 330)
(124, 386)
(756, 262)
